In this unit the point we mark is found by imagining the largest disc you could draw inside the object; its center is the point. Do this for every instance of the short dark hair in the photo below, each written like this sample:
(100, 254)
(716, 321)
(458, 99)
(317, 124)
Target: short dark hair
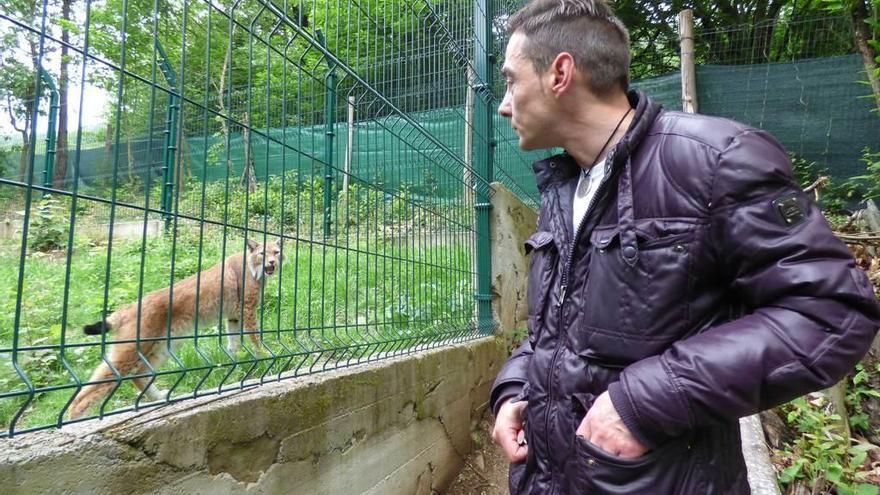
(587, 29)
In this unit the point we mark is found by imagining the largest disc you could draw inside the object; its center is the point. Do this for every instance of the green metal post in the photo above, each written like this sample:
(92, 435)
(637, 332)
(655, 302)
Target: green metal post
(330, 134)
(52, 131)
(483, 159)
(170, 148)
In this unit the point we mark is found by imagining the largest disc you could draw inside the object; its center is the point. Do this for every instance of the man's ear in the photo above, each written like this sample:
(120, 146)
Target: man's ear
(562, 70)
(252, 246)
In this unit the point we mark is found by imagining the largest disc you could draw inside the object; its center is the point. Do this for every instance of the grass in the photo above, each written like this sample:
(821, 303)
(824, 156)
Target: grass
(329, 306)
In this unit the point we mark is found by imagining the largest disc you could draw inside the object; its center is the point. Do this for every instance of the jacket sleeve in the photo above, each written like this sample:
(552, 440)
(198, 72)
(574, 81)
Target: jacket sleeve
(811, 315)
(511, 380)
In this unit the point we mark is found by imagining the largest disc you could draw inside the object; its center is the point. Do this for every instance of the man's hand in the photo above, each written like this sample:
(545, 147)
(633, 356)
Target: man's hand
(508, 432)
(603, 427)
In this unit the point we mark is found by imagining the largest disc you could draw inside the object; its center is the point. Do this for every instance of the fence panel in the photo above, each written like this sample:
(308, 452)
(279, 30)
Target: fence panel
(198, 128)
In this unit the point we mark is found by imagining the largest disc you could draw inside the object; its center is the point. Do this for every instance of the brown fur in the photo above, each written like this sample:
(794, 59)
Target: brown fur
(154, 319)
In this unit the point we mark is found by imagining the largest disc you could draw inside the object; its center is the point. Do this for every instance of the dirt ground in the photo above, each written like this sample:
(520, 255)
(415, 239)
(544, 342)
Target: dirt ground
(485, 470)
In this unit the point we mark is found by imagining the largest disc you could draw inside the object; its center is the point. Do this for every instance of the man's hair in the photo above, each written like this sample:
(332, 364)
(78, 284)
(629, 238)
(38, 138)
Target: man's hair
(587, 29)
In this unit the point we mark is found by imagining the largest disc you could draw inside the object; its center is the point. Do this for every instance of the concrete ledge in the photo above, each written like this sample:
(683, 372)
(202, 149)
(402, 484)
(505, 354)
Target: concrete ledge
(400, 426)
(11, 229)
(762, 476)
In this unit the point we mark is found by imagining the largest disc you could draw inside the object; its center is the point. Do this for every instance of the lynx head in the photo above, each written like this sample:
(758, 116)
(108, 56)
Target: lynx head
(264, 258)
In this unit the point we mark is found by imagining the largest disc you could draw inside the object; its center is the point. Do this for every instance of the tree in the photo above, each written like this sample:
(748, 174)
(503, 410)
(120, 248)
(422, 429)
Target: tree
(61, 153)
(18, 80)
(865, 16)
(653, 30)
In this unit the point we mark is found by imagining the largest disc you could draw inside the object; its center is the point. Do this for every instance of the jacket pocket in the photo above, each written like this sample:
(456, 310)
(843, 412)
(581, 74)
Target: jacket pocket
(635, 311)
(542, 271)
(516, 475)
(667, 470)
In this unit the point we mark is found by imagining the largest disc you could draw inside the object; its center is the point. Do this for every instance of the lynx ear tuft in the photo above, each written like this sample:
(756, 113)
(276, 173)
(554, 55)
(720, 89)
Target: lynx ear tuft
(252, 246)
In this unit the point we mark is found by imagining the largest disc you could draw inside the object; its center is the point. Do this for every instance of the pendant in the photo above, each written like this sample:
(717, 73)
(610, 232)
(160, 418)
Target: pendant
(583, 188)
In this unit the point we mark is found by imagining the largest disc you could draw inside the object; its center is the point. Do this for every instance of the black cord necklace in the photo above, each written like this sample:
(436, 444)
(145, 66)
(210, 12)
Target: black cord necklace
(584, 185)
(613, 133)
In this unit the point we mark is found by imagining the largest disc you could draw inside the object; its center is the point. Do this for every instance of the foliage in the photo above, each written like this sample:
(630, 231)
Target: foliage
(293, 203)
(47, 225)
(870, 181)
(653, 30)
(819, 455)
(835, 197)
(870, 9)
(7, 157)
(864, 386)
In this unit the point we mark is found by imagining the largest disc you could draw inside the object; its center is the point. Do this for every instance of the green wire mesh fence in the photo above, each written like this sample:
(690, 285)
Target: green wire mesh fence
(799, 78)
(336, 153)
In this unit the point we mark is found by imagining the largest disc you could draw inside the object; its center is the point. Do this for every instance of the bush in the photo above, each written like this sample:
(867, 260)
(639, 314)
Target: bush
(834, 197)
(869, 182)
(47, 225)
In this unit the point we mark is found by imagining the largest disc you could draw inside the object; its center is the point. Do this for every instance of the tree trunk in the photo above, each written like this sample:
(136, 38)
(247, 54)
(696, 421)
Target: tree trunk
(23, 160)
(248, 178)
(862, 33)
(61, 147)
(222, 105)
(26, 137)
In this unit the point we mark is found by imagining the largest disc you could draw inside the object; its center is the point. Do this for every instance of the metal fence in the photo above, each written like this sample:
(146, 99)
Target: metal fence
(354, 135)
(798, 77)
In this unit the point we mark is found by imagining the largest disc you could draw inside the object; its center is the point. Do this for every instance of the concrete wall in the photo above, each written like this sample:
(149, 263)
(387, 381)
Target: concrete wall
(11, 229)
(511, 223)
(400, 426)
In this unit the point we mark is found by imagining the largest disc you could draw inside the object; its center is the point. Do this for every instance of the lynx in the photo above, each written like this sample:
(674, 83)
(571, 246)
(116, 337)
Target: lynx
(242, 285)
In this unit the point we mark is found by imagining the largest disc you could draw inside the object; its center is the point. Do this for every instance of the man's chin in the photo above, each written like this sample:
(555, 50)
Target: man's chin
(526, 145)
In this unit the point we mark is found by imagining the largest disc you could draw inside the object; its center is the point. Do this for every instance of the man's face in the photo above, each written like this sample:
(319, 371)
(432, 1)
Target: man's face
(527, 102)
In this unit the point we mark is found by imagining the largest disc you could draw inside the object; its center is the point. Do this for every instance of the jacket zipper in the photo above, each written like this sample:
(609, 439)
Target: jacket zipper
(567, 267)
(563, 285)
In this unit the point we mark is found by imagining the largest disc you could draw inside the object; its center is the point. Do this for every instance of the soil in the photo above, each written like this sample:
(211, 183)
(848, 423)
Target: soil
(485, 469)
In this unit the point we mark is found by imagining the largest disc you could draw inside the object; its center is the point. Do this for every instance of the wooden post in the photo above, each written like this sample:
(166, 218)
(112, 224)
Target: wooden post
(467, 175)
(350, 148)
(688, 72)
(469, 136)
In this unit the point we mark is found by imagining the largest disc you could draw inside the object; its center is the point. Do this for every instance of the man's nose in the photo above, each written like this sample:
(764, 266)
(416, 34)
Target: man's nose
(504, 107)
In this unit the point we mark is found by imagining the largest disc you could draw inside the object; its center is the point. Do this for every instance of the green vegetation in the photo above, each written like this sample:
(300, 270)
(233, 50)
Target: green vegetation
(820, 456)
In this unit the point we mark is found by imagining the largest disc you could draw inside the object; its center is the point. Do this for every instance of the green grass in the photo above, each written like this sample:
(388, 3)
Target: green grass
(327, 307)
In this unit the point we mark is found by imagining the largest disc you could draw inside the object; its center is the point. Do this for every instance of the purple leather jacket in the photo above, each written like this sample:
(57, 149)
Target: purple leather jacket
(702, 286)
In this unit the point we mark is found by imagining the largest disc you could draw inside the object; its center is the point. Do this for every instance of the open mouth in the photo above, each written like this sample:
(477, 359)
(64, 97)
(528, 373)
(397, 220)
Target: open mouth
(270, 269)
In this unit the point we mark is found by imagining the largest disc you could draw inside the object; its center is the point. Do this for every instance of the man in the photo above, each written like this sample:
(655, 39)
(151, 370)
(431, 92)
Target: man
(680, 279)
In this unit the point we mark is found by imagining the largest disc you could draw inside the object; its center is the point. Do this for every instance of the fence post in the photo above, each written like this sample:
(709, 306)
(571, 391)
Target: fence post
(329, 118)
(483, 155)
(49, 167)
(349, 150)
(169, 150)
(469, 137)
(688, 72)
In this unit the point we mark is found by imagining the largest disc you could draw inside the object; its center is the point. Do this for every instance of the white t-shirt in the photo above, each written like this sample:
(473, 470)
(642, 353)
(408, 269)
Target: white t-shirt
(588, 183)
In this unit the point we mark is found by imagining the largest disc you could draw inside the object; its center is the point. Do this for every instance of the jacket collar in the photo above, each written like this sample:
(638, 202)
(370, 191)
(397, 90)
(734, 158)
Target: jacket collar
(562, 166)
